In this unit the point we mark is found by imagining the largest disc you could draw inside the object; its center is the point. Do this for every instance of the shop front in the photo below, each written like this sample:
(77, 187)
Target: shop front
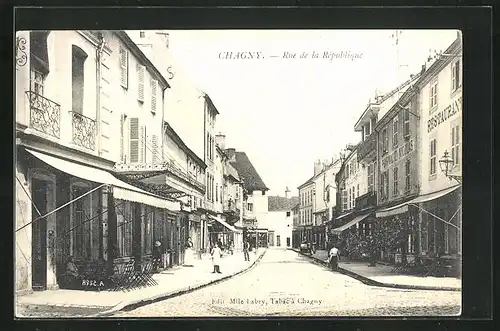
(99, 222)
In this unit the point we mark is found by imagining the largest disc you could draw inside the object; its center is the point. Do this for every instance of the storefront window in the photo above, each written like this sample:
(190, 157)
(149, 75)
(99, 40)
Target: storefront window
(124, 217)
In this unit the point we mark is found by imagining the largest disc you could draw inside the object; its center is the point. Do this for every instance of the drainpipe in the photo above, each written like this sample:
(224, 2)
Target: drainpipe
(98, 93)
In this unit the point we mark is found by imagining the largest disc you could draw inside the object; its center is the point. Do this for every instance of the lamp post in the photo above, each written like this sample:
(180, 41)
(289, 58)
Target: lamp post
(446, 163)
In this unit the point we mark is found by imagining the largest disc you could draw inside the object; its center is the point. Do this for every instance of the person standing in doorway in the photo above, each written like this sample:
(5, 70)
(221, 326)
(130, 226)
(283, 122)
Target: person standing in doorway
(246, 247)
(216, 257)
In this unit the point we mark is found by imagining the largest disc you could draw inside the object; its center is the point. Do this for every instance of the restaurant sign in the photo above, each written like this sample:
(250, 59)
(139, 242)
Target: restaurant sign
(445, 114)
(398, 154)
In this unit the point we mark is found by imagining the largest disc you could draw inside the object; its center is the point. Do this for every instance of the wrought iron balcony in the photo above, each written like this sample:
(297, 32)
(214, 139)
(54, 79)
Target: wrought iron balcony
(45, 114)
(367, 200)
(84, 130)
(367, 149)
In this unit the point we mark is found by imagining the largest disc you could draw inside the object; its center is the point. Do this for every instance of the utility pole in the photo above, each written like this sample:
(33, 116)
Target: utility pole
(396, 36)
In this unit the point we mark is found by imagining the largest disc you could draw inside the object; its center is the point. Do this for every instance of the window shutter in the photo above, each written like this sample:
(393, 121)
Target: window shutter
(123, 67)
(154, 85)
(453, 76)
(155, 148)
(142, 148)
(122, 142)
(134, 140)
(140, 82)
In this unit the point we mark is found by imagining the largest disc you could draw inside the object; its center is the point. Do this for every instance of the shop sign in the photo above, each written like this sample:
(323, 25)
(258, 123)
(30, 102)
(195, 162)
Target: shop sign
(398, 154)
(454, 108)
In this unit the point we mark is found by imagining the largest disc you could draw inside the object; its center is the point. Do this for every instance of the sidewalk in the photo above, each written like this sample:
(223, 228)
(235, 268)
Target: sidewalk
(381, 275)
(171, 282)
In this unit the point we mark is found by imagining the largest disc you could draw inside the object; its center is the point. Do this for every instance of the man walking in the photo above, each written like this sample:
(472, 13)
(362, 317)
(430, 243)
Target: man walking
(246, 247)
(333, 258)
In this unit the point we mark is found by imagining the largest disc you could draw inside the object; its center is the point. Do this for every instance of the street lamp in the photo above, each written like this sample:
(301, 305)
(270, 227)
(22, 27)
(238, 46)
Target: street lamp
(445, 163)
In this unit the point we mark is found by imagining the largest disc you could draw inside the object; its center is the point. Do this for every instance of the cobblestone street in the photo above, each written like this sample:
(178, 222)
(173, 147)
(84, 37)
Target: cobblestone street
(284, 283)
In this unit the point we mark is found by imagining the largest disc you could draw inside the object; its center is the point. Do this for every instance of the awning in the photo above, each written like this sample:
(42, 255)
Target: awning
(394, 210)
(434, 195)
(221, 221)
(122, 190)
(342, 216)
(403, 207)
(356, 220)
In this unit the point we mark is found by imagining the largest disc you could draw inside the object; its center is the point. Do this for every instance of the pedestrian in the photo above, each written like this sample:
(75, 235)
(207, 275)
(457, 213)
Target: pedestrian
(157, 252)
(216, 257)
(246, 247)
(333, 258)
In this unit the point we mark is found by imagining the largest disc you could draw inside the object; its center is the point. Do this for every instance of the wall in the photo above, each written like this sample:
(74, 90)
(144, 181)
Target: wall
(306, 196)
(282, 226)
(442, 131)
(219, 181)
(357, 178)
(260, 206)
(22, 237)
(184, 103)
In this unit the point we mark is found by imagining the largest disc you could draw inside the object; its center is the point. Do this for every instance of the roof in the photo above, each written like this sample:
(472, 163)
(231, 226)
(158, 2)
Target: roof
(309, 181)
(247, 173)
(231, 171)
(141, 56)
(175, 137)
(276, 203)
(211, 104)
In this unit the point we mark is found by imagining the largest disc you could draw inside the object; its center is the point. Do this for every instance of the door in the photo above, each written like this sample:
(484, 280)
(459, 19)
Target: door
(287, 241)
(39, 236)
(278, 240)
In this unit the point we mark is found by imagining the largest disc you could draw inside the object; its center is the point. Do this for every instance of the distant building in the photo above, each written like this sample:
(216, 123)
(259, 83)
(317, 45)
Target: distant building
(255, 203)
(279, 220)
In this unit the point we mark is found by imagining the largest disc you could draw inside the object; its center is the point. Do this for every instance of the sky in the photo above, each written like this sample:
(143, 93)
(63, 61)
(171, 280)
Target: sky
(286, 112)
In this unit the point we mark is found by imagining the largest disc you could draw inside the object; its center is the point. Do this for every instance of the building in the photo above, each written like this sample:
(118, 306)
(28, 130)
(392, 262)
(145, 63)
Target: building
(296, 239)
(255, 203)
(279, 220)
(72, 88)
(325, 199)
(307, 200)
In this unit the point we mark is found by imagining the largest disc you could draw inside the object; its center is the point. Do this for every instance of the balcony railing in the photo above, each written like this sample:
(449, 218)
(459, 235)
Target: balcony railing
(84, 130)
(367, 146)
(367, 200)
(45, 114)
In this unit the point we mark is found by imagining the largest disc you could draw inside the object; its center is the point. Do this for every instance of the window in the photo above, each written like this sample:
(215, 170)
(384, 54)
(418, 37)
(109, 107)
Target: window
(385, 142)
(278, 240)
(353, 198)
(216, 192)
(357, 191)
(77, 74)
(433, 157)
(406, 122)
(37, 82)
(433, 95)
(124, 215)
(367, 129)
(250, 206)
(134, 140)
(395, 188)
(349, 199)
(287, 214)
(154, 143)
(384, 185)
(455, 138)
(347, 171)
(142, 34)
(371, 172)
(147, 229)
(39, 52)
(395, 125)
(344, 200)
(455, 76)
(140, 82)
(123, 55)
(407, 175)
(154, 89)
(123, 158)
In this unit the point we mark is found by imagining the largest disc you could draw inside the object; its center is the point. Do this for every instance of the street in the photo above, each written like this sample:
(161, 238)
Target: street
(286, 284)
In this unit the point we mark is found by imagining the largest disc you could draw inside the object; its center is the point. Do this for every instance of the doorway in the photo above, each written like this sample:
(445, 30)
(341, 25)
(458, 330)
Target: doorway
(287, 241)
(39, 236)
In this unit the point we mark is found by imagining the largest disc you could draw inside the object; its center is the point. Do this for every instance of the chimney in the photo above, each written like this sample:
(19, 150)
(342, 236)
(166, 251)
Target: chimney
(220, 140)
(317, 167)
(286, 192)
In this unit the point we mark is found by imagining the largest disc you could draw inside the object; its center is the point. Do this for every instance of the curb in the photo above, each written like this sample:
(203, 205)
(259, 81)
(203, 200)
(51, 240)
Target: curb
(131, 305)
(371, 282)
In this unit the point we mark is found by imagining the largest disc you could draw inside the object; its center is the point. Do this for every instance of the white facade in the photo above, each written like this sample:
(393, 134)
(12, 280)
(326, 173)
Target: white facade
(307, 201)
(279, 225)
(441, 126)
(325, 188)
(355, 182)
